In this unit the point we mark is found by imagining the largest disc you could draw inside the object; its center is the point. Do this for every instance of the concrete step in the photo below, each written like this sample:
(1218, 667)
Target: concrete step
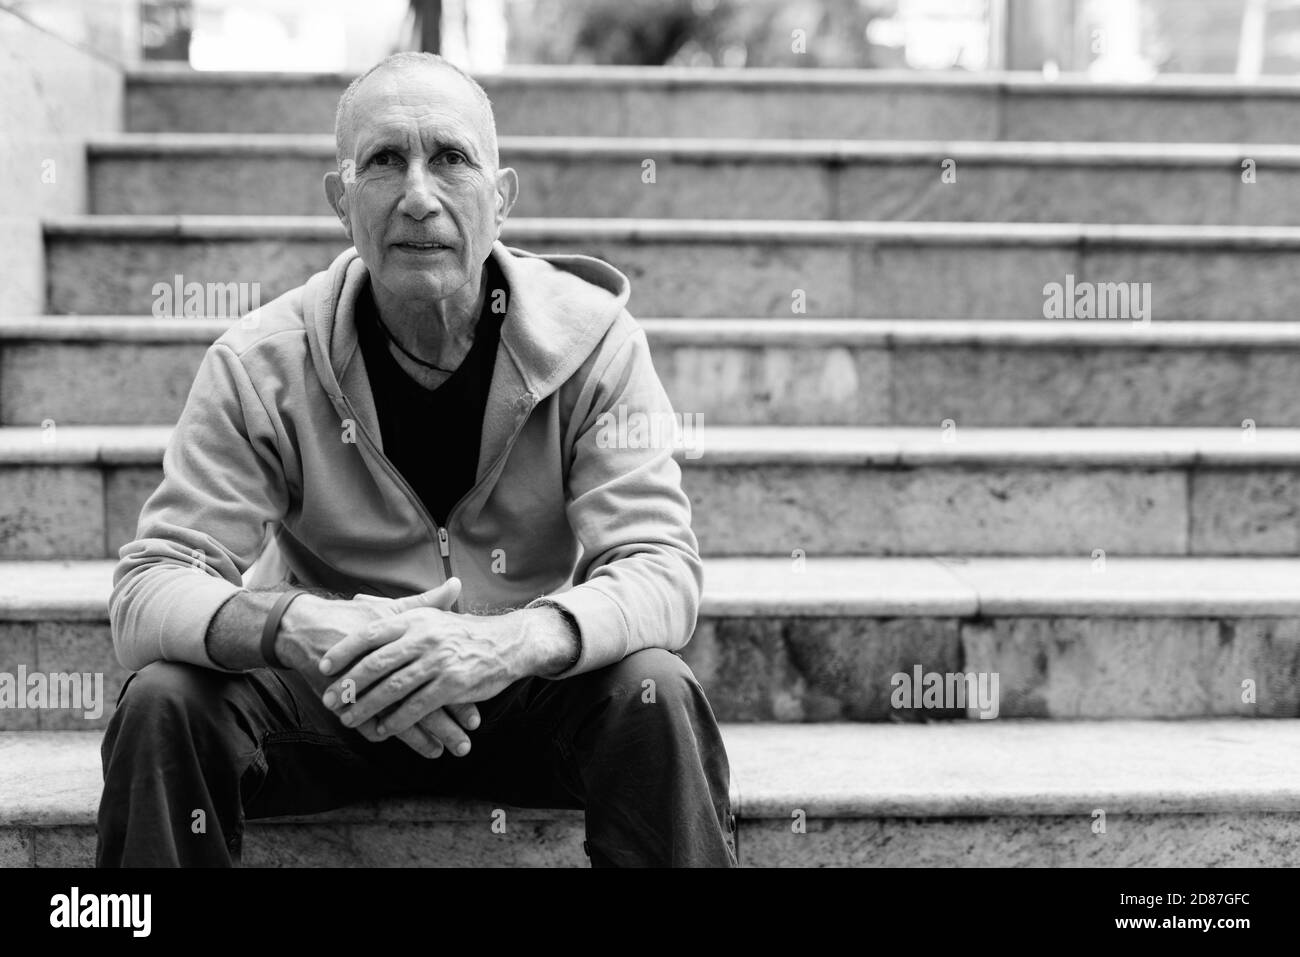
(821, 639)
(86, 370)
(1014, 793)
(969, 181)
(709, 268)
(76, 491)
(851, 104)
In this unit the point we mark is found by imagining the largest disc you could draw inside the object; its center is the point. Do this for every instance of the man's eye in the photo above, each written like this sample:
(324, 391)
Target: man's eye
(383, 158)
(453, 158)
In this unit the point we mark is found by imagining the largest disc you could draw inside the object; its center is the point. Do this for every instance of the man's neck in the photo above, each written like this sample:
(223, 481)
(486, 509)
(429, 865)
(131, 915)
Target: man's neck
(440, 332)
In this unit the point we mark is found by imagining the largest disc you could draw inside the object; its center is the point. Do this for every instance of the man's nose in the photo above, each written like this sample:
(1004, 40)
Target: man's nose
(420, 193)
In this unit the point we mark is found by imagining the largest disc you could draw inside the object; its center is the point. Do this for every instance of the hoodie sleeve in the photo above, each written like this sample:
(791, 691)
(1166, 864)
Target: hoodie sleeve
(639, 579)
(222, 486)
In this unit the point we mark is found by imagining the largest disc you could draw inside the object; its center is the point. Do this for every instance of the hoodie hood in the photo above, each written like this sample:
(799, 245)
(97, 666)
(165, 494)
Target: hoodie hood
(559, 308)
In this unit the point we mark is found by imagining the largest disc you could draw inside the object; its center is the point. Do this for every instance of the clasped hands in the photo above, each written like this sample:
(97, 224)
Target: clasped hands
(407, 667)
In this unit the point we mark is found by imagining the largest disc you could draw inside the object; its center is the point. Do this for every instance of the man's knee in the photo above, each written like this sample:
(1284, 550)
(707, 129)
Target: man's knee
(167, 702)
(655, 733)
(649, 695)
(650, 676)
(170, 688)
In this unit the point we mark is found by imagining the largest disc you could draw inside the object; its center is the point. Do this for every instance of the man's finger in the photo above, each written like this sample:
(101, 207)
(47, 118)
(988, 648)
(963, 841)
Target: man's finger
(425, 700)
(385, 685)
(421, 742)
(375, 635)
(368, 732)
(466, 715)
(440, 726)
(420, 737)
(442, 597)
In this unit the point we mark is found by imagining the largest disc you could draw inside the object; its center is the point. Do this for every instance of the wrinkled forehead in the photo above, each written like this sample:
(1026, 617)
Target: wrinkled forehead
(416, 97)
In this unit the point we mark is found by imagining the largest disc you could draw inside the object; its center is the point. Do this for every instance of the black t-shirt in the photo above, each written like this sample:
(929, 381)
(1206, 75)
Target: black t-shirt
(433, 436)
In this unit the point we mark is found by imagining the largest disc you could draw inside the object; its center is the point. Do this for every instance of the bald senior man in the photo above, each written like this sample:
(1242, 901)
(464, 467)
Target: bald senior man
(394, 551)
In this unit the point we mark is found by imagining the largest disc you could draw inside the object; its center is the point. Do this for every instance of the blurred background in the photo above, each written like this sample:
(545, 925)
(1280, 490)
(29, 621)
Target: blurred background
(1107, 39)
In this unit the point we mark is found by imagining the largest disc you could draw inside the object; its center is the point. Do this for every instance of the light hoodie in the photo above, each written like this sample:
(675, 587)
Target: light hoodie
(275, 471)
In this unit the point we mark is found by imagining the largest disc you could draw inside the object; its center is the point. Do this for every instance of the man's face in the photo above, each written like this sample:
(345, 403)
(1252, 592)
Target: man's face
(420, 196)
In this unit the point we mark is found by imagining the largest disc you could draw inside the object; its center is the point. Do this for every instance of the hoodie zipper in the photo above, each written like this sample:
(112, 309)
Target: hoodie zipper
(439, 532)
(492, 471)
(436, 531)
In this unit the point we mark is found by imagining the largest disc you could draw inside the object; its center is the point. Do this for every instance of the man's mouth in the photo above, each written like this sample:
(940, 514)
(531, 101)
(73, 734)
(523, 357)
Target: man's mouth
(421, 247)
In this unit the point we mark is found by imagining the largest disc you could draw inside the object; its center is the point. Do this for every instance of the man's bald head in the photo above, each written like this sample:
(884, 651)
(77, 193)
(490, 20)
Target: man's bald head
(419, 186)
(484, 122)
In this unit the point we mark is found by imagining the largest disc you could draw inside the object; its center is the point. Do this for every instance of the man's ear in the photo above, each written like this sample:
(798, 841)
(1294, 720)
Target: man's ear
(337, 194)
(507, 193)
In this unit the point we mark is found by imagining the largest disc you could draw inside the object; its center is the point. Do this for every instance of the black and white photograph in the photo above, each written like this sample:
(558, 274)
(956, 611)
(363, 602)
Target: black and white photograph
(546, 434)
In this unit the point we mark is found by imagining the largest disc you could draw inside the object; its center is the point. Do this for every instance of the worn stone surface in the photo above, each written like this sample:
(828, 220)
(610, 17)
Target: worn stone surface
(669, 278)
(1038, 383)
(900, 280)
(51, 512)
(684, 186)
(727, 279)
(1276, 115)
(841, 511)
(1007, 767)
(55, 590)
(1130, 840)
(546, 109)
(1245, 512)
(49, 778)
(877, 279)
(528, 108)
(1184, 840)
(1039, 193)
(95, 383)
(97, 276)
(219, 184)
(1132, 117)
(827, 113)
(1273, 205)
(267, 107)
(537, 105)
(16, 847)
(1198, 283)
(84, 648)
(809, 585)
(564, 185)
(17, 647)
(777, 386)
(63, 846)
(817, 669)
(1192, 792)
(700, 186)
(102, 384)
(1117, 586)
(126, 490)
(839, 669)
(1055, 386)
(792, 630)
(423, 844)
(1137, 667)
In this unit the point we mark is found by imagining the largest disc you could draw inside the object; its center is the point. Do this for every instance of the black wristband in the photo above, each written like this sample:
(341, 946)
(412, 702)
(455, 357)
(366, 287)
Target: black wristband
(273, 625)
(573, 629)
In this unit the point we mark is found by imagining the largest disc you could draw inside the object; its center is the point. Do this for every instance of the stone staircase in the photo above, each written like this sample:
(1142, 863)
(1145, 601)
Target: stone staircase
(904, 463)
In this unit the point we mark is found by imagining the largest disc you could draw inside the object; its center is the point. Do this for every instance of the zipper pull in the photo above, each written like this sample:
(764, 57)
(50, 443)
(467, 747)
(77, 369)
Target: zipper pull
(444, 543)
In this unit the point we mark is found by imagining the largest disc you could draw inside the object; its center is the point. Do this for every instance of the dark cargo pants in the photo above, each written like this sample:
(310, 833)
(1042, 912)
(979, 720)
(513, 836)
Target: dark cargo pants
(651, 775)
